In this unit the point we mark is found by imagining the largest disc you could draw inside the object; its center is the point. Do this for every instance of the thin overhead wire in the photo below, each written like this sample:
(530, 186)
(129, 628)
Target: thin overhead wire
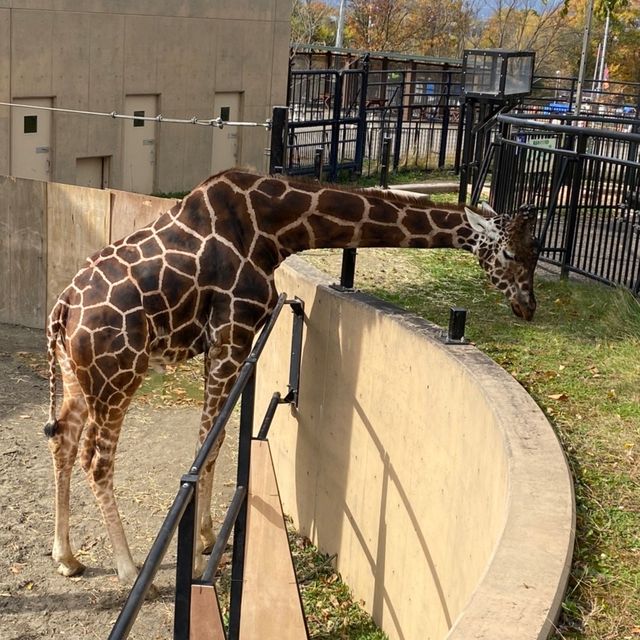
(203, 122)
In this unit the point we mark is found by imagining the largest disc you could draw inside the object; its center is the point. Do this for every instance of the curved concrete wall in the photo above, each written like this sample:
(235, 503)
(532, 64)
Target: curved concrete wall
(426, 468)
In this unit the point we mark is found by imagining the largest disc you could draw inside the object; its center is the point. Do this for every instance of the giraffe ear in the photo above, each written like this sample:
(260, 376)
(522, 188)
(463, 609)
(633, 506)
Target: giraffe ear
(484, 226)
(485, 207)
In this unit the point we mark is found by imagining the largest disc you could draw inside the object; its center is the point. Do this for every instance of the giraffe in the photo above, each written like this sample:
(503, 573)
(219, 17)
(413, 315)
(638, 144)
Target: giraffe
(200, 279)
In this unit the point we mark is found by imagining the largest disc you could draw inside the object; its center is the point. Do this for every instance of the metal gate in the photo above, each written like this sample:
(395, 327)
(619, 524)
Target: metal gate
(327, 111)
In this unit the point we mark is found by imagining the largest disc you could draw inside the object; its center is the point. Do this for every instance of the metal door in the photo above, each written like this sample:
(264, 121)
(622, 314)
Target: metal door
(225, 141)
(31, 139)
(139, 144)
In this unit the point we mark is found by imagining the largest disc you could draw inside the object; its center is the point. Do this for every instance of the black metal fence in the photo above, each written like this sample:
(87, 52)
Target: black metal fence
(327, 111)
(350, 112)
(584, 182)
(414, 101)
(182, 513)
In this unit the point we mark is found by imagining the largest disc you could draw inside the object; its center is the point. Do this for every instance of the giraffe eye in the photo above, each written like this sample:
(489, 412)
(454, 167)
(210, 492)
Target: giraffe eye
(508, 255)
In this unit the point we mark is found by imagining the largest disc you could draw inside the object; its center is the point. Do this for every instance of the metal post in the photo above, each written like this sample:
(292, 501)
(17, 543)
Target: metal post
(444, 130)
(187, 531)
(278, 140)
(348, 268)
(467, 150)
(318, 163)
(240, 530)
(457, 320)
(361, 135)
(335, 129)
(574, 203)
(297, 306)
(399, 123)
(384, 165)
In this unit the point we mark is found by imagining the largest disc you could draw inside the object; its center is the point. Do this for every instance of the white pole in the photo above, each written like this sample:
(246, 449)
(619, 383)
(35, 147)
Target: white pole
(596, 70)
(340, 27)
(583, 56)
(604, 49)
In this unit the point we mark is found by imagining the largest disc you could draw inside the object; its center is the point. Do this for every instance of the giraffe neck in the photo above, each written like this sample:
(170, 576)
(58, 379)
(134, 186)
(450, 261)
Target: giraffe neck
(334, 218)
(263, 220)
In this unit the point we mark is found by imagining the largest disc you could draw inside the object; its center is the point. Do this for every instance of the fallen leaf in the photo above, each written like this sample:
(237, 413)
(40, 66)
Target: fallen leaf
(558, 396)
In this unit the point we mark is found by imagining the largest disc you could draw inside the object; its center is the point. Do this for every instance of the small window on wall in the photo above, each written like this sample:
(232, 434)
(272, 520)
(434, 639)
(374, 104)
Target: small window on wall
(225, 114)
(137, 121)
(31, 124)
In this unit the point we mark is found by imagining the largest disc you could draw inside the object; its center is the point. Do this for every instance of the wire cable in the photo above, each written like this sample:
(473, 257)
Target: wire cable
(204, 122)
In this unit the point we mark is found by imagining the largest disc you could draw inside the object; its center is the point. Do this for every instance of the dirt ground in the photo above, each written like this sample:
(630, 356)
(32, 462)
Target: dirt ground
(156, 447)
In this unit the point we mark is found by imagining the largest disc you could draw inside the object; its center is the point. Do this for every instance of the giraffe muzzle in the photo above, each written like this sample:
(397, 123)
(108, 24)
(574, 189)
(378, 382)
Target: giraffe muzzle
(524, 310)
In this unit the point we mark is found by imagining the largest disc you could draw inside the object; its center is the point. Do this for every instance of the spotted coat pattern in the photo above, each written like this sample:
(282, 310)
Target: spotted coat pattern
(200, 279)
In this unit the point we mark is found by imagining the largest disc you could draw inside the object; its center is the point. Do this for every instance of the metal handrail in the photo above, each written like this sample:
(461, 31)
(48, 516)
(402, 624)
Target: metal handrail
(184, 502)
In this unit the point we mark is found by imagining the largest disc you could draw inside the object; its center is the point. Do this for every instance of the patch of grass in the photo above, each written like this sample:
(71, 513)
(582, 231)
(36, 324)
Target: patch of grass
(179, 385)
(579, 361)
(331, 612)
(404, 175)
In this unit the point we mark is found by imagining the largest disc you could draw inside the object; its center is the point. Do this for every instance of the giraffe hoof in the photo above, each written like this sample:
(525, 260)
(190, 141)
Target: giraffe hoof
(208, 548)
(153, 593)
(71, 568)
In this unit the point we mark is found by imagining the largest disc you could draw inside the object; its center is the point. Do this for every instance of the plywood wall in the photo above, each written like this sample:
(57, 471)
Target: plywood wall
(23, 251)
(131, 211)
(78, 224)
(48, 230)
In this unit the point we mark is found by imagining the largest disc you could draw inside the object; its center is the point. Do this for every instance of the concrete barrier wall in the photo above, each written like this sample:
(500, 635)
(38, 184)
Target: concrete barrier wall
(426, 468)
(47, 231)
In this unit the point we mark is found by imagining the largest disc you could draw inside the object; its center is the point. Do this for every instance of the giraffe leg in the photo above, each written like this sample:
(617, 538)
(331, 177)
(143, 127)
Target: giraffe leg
(98, 456)
(64, 448)
(222, 365)
(205, 489)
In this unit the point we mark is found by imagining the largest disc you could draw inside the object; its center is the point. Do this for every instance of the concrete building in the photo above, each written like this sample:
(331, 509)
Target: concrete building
(178, 58)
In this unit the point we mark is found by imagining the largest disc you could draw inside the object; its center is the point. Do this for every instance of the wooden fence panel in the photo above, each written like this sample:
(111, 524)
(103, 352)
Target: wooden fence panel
(131, 211)
(78, 221)
(23, 251)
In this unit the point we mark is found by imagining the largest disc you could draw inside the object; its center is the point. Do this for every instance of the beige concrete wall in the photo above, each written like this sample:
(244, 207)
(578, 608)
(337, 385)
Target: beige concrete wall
(90, 55)
(426, 468)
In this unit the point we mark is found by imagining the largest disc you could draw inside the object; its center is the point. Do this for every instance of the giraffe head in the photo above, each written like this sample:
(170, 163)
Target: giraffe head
(508, 251)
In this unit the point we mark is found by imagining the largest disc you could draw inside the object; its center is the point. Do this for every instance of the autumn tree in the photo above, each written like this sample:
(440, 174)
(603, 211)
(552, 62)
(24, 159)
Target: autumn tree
(441, 27)
(527, 25)
(313, 22)
(380, 25)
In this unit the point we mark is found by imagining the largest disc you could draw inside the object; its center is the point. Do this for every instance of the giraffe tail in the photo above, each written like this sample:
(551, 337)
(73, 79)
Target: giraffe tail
(53, 332)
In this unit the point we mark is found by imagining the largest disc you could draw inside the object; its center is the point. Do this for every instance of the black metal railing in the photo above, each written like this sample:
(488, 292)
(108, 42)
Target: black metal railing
(585, 183)
(182, 513)
(417, 103)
